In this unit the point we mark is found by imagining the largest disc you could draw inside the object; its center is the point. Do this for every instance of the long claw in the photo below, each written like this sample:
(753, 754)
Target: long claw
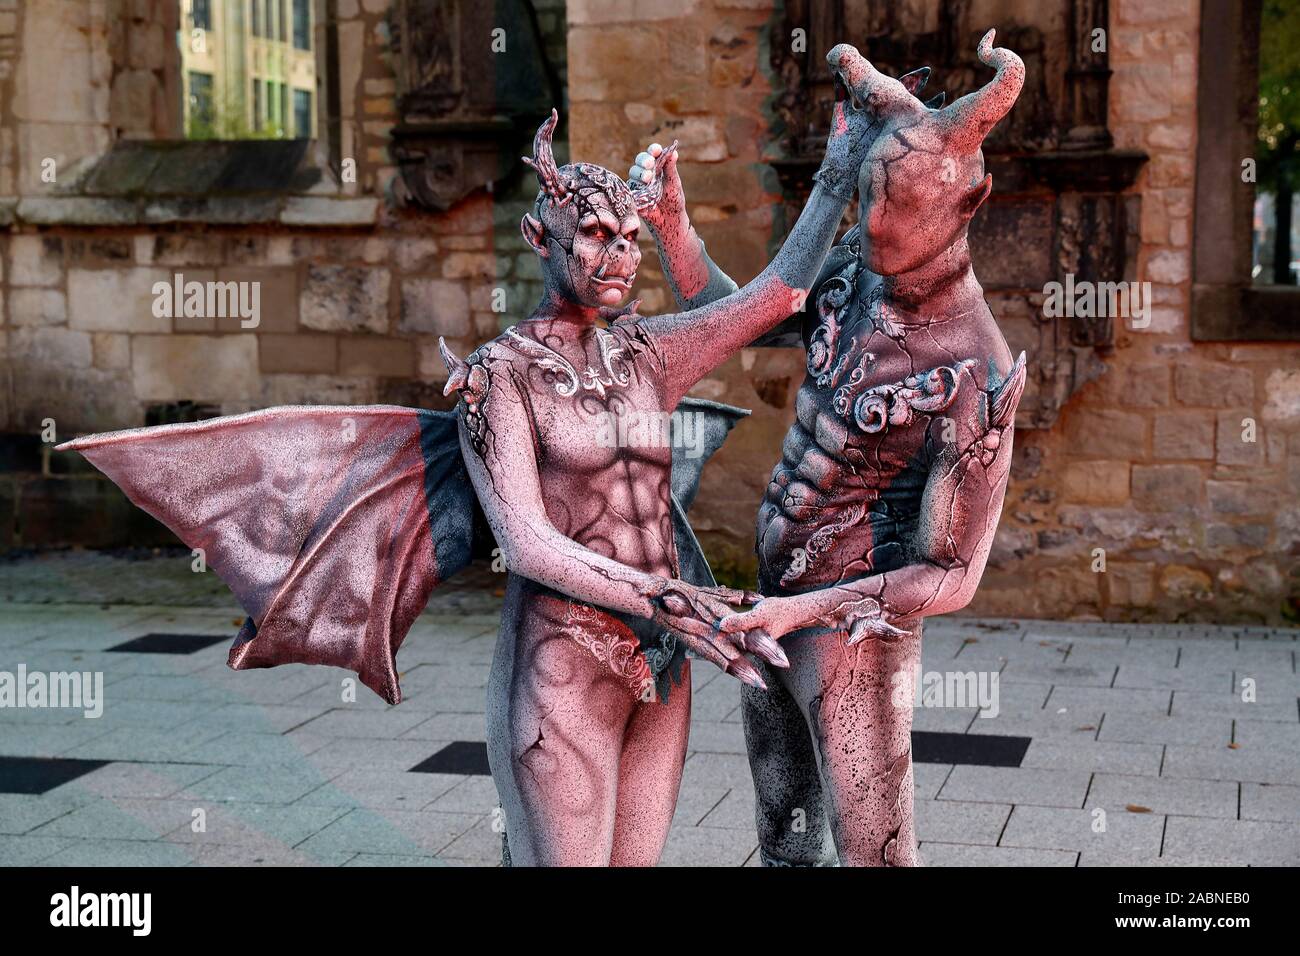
(742, 669)
(762, 644)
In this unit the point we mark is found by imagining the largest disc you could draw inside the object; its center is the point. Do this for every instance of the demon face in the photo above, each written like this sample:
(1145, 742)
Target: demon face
(924, 176)
(584, 226)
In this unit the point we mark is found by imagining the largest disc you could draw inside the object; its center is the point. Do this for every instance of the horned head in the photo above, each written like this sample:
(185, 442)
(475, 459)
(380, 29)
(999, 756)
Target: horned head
(584, 226)
(924, 175)
(963, 124)
(969, 119)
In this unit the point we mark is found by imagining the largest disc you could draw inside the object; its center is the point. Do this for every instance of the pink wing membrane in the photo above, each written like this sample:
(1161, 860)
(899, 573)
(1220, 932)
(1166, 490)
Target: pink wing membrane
(315, 517)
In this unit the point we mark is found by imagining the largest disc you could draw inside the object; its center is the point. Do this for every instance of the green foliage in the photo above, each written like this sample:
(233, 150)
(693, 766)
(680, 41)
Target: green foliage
(228, 121)
(1279, 93)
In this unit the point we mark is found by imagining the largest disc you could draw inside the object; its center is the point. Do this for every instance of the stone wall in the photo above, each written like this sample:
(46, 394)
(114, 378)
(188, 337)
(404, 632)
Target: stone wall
(1152, 461)
(350, 313)
(1146, 463)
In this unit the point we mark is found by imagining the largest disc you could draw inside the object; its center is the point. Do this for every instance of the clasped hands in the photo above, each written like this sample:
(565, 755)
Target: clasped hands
(708, 621)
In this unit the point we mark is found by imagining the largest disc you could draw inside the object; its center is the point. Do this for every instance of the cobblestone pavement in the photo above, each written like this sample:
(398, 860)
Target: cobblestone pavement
(1112, 744)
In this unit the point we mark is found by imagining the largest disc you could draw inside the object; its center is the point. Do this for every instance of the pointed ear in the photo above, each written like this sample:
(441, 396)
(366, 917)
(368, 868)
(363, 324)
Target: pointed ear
(975, 197)
(534, 234)
(915, 81)
(457, 370)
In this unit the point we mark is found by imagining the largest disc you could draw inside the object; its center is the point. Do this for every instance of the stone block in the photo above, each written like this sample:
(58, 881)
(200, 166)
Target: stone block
(437, 306)
(1214, 384)
(1182, 435)
(1166, 487)
(35, 260)
(115, 300)
(38, 307)
(1096, 482)
(201, 368)
(345, 299)
(1107, 433)
(1233, 433)
(277, 298)
(303, 354)
(380, 357)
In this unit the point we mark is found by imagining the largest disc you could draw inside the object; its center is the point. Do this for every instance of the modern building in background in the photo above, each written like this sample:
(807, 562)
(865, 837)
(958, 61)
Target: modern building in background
(248, 68)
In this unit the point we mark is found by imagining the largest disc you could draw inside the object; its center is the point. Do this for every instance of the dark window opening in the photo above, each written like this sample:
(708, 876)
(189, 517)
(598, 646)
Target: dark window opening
(201, 113)
(302, 24)
(302, 114)
(201, 14)
(1276, 228)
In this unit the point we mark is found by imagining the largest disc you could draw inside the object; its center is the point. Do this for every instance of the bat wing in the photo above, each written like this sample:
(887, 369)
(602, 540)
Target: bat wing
(711, 422)
(331, 525)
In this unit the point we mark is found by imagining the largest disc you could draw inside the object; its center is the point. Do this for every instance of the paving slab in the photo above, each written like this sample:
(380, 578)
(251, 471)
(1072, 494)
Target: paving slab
(1163, 795)
(302, 766)
(1231, 705)
(1053, 788)
(1111, 700)
(957, 821)
(1115, 833)
(1203, 730)
(958, 854)
(1275, 844)
(1258, 765)
(1067, 753)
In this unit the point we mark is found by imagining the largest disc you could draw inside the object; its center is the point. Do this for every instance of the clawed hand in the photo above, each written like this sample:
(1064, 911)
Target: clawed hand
(654, 174)
(694, 613)
(776, 617)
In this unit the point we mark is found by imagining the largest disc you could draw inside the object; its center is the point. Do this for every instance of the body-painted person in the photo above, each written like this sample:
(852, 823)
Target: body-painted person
(586, 764)
(332, 525)
(883, 507)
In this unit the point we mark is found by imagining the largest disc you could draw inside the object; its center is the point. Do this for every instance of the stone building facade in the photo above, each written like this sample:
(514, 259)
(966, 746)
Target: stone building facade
(1170, 460)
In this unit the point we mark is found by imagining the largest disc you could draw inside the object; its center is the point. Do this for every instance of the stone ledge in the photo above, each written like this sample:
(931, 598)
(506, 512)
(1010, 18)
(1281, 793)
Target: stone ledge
(312, 211)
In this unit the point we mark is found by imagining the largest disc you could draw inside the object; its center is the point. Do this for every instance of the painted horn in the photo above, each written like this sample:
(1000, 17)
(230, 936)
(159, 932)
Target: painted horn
(543, 162)
(969, 119)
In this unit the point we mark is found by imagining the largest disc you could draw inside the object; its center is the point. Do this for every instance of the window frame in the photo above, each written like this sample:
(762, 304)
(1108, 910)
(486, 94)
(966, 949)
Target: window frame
(1226, 305)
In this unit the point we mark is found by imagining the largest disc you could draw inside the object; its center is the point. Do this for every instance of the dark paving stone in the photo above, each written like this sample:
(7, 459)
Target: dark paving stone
(40, 774)
(170, 643)
(462, 756)
(982, 750)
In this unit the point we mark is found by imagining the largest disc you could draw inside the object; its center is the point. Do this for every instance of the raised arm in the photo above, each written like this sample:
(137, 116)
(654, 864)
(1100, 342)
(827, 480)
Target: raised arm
(697, 341)
(694, 278)
(959, 516)
(496, 437)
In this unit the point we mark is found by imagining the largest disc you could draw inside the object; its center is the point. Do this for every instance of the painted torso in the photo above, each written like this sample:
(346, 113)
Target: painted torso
(881, 400)
(607, 493)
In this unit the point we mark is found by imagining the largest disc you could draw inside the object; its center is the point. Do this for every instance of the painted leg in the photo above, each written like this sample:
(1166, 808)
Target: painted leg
(793, 828)
(863, 738)
(649, 777)
(556, 717)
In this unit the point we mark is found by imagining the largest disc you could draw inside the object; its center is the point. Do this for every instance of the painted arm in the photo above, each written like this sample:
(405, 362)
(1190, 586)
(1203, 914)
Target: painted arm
(694, 343)
(496, 437)
(959, 517)
(694, 278)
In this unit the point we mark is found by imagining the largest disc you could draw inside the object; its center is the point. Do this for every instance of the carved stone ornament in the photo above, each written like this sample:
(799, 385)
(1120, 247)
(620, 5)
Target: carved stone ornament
(468, 92)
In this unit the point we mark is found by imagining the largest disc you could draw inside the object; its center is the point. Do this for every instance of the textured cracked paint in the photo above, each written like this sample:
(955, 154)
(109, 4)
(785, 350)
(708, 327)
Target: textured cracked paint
(586, 766)
(883, 507)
